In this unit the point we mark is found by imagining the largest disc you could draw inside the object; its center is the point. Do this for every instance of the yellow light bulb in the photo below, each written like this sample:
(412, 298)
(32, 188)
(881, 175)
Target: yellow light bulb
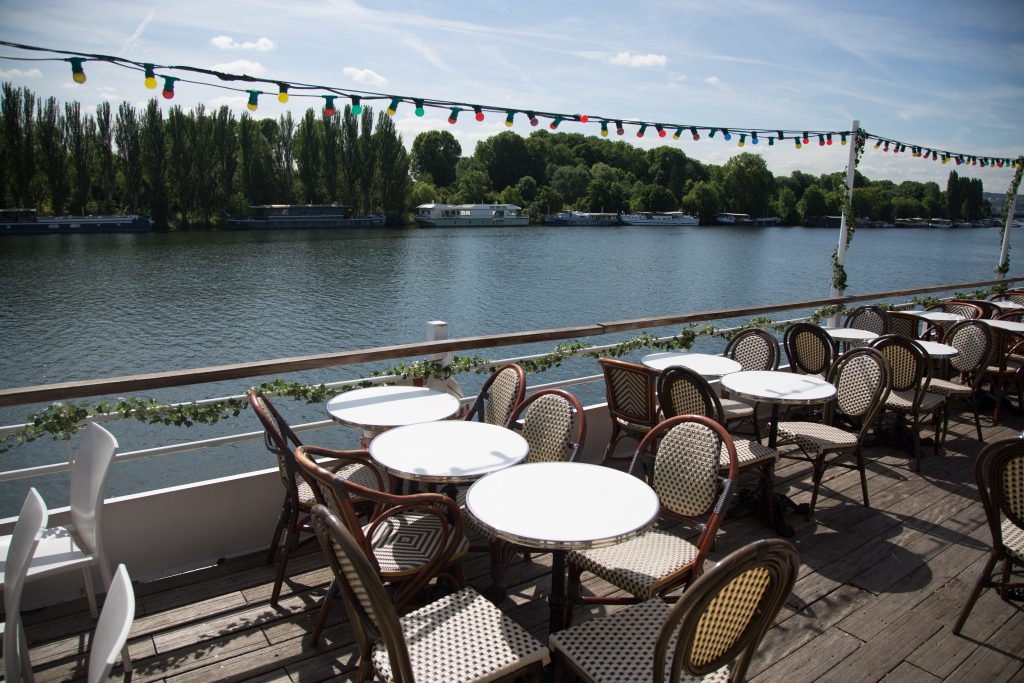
(78, 76)
(282, 97)
(151, 82)
(251, 106)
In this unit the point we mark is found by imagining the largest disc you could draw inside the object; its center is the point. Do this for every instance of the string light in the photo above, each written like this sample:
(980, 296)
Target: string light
(726, 134)
(821, 141)
(619, 130)
(583, 118)
(252, 104)
(508, 119)
(712, 133)
(282, 93)
(454, 115)
(807, 139)
(828, 139)
(771, 141)
(604, 129)
(533, 118)
(743, 140)
(661, 131)
(150, 76)
(478, 113)
(842, 138)
(419, 107)
(357, 108)
(168, 91)
(781, 136)
(753, 138)
(643, 129)
(679, 131)
(329, 109)
(393, 107)
(554, 124)
(694, 133)
(797, 141)
(77, 72)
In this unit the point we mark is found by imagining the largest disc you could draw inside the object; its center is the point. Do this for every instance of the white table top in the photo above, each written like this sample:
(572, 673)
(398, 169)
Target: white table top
(938, 316)
(850, 334)
(776, 386)
(937, 350)
(1008, 325)
(1008, 305)
(562, 505)
(386, 407)
(706, 364)
(449, 451)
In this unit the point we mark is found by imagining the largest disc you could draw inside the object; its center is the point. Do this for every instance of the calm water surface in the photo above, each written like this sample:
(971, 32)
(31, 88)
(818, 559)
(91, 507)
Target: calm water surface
(87, 306)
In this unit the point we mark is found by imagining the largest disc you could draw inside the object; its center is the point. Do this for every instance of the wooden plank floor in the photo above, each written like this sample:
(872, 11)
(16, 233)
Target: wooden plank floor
(878, 591)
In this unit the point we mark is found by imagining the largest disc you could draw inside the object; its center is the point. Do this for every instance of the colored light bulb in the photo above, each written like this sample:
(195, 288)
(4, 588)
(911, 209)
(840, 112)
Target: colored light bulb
(554, 124)
(508, 119)
(150, 76)
(771, 141)
(661, 131)
(282, 92)
(393, 107)
(619, 130)
(797, 141)
(726, 134)
(77, 72)
(878, 143)
(584, 118)
(693, 131)
(807, 140)
(842, 138)
(168, 91)
(945, 158)
(679, 132)
(252, 104)
(357, 108)
(743, 140)
(479, 113)
(643, 129)
(533, 118)
(712, 133)
(754, 139)
(329, 109)
(821, 141)
(604, 129)
(781, 136)
(828, 139)
(419, 111)
(886, 148)
(453, 116)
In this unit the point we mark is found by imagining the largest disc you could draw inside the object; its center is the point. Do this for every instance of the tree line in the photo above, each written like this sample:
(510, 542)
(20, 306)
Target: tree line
(194, 168)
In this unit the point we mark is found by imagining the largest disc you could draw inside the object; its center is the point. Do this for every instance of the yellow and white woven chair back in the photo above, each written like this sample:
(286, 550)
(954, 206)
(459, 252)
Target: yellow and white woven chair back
(753, 351)
(974, 342)
(869, 318)
(859, 378)
(906, 361)
(548, 429)
(505, 391)
(686, 467)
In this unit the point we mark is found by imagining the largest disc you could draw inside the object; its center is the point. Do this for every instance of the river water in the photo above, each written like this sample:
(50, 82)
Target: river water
(87, 306)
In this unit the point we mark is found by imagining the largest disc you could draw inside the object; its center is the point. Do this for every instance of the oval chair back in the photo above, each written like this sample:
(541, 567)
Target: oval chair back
(27, 532)
(554, 426)
(988, 309)
(754, 349)
(629, 390)
(810, 349)
(911, 326)
(871, 318)
(961, 308)
(907, 361)
(682, 391)
(500, 394)
(975, 342)
(279, 439)
(88, 486)
(861, 378)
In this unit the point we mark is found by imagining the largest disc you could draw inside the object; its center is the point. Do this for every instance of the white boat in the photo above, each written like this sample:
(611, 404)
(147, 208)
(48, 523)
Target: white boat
(734, 219)
(668, 218)
(469, 215)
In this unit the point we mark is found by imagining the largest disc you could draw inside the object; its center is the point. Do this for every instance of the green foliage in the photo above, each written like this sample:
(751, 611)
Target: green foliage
(747, 184)
(435, 153)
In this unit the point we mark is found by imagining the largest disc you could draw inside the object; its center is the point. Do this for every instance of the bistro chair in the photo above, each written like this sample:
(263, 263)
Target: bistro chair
(1014, 295)
(908, 395)
(503, 391)
(680, 459)
(809, 348)
(861, 377)
(1006, 367)
(754, 349)
(281, 440)
(630, 391)
(80, 544)
(711, 633)
(19, 551)
(409, 539)
(112, 629)
(461, 637)
(871, 318)
(907, 324)
(988, 309)
(682, 391)
(975, 342)
(962, 308)
(999, 472)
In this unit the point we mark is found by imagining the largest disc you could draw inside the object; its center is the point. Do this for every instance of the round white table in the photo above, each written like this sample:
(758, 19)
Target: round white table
(778, 388)
(380, 408)
(705, 364)
(1008, 305)
(450, 451)
(560, 506)
(850, 334)
(937, 350)
(938, 316)
(1006, 325)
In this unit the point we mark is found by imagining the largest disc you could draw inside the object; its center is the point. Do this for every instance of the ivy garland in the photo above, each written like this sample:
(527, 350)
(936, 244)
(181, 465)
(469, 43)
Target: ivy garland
(838, 272)
(1011, 192)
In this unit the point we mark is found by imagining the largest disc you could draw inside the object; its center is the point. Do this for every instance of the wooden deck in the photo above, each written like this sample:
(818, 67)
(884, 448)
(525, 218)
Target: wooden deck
(878, 592)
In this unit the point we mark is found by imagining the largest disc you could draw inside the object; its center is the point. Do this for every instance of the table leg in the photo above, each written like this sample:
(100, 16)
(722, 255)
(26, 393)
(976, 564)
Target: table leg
(773, 428)
(556, 601)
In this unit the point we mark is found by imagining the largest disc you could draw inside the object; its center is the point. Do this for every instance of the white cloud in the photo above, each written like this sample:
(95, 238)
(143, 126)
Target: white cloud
(134, 37)
(19, 73)
(365, 76)
(241, 66)
(717, 83)
(262, 44)
(639, 61)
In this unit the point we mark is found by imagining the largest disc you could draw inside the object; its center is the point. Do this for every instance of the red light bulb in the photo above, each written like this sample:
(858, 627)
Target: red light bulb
(584, 118)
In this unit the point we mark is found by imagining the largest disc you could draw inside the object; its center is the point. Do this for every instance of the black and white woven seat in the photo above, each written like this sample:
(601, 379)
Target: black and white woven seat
(710, 634)
(975, 342)
(460, 637)
(680, 458)
(861, 377)
(809, 348)
(500, 394)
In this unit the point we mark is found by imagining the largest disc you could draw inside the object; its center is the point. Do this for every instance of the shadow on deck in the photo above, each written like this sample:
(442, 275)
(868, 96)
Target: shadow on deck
(877, 595)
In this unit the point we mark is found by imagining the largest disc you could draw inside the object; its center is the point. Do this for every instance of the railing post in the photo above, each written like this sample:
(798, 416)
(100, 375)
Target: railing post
(851, 174)
(1005, 248)
(437, 330)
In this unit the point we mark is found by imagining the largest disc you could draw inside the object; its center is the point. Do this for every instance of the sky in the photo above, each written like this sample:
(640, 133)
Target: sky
(947, 75)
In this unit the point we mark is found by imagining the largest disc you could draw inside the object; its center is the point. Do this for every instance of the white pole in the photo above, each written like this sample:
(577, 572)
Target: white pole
(436, 331)
(1005, 251)
(851, 171)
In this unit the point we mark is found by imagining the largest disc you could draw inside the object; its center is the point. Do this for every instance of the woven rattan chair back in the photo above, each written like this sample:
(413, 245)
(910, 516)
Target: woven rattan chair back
(961, 308)
(974, 340)
(754, 349)
(907, 361)
(1014, 295)
(809, 348)
(861, 377)
(554, 426)
(682, 391)
(912, 326)
(871, 318)
(723, 615)
(500, 394)
(988, 309)
(629, 388)
(1013, 315)
(279, 439)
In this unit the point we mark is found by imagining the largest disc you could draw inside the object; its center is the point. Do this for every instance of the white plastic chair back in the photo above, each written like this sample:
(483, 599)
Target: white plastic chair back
(27, 532)
(88, 484)
(112, 629)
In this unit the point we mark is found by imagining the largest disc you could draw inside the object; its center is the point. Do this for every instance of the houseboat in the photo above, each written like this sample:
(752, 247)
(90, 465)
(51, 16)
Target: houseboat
(667, 219)
(734, 219)
(299, 216)
(28, 222)
(581, 218)
(469, 215)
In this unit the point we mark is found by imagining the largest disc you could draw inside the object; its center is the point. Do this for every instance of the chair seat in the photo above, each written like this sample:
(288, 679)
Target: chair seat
(462, 637)
(734, 409)
(1013, 539)
(748, 452)
(358, 474)
(404, 543)
(814, 437)
(57, 551)
(946, 387)
(1013, 365)
(619, 647)
(639, 564)
(901, 401)
(634, 426)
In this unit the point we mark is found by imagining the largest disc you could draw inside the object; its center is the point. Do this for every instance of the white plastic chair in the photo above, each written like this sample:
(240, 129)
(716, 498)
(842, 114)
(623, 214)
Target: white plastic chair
(112, 628)
(27, 532)
(79, 545)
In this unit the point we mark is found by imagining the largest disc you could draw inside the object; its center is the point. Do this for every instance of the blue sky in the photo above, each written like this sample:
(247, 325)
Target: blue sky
(940, 74)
